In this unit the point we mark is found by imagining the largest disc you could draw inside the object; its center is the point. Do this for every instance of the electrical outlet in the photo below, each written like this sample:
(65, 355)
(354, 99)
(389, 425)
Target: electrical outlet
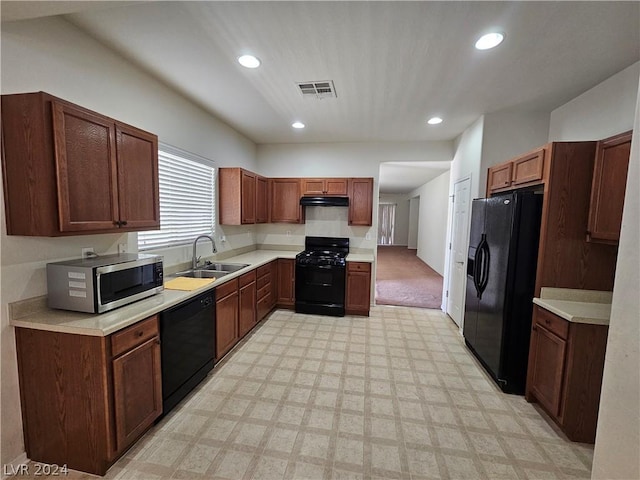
(288, 233)
(367, 236)
(87, 252)
(223, 238)
(122, 248)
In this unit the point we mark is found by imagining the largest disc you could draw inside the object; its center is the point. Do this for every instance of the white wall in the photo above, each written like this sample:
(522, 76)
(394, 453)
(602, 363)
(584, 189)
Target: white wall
(603, 111)
(53, 56)
(468, 157)
(401, 224)
(432, 224)
(414, 219)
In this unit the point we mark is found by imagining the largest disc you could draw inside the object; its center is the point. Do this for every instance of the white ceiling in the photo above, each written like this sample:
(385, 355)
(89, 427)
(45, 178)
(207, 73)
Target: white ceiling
(394, 64)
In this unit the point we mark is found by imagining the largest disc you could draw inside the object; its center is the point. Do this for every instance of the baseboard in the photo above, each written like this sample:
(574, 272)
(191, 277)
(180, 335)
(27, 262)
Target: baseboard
(9, 470)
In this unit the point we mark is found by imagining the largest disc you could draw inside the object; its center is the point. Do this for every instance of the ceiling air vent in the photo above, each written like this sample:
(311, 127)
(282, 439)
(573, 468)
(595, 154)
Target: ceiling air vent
(319, 90)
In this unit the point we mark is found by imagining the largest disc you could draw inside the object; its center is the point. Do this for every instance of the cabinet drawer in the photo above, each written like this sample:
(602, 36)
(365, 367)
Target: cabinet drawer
(262, 281)
(264, 305)
(552, 322)
(263, 292)
(263, 270)
(226, 289)
(358, 267)
(247, 278)
(134, 335)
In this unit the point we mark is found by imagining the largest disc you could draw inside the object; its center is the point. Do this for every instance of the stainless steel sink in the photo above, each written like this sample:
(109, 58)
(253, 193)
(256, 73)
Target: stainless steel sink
(224, 267)
(201, 274)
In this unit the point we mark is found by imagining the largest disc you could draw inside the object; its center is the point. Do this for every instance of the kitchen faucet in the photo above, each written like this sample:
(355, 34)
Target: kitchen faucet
(194, 260)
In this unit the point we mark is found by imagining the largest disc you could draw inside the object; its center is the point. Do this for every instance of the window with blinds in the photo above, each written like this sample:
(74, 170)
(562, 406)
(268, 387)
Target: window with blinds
(187, 199)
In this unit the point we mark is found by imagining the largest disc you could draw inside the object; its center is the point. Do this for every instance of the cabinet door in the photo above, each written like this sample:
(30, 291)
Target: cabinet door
(499, 177)
(313, 186)
(248, 197)
(138, 184)
(335, 186)
(262, 199)
(137, 386)
(548, 361)
(226, 324)
(286, 282)
(86, 174)
(608, 188)
(358, 288)
(528, 169)
(285, 200)
(247, 305)
(360, 201)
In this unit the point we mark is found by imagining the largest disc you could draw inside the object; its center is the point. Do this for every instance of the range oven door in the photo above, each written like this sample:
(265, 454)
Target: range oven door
(320, 289)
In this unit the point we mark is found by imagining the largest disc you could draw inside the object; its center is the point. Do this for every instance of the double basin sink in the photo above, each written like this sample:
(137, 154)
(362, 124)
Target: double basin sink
(212, 270)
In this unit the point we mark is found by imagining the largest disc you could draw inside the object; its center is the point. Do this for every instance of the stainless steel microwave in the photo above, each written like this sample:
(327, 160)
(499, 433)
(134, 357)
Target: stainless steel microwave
(102, 283)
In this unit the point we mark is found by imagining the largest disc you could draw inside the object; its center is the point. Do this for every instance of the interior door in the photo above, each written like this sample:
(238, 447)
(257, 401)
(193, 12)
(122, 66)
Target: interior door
(459, 245)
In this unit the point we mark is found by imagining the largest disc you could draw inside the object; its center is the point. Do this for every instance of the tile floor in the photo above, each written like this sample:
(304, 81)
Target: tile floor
(396, 395)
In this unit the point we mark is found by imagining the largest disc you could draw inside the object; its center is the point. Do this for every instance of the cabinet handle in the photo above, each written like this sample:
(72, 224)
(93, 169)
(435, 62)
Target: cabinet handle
(116, 222)
(140, 333)
(124, 222)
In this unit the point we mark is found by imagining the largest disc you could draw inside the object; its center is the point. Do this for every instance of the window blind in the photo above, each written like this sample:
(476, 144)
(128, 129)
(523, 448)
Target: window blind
(187, 199)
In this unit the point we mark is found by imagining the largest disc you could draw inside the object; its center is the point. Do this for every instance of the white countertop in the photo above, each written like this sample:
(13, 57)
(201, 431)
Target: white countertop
(107, 323)
(578, 306)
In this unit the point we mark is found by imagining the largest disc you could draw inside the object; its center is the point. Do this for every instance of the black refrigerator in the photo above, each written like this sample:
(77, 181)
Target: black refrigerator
(501, 274)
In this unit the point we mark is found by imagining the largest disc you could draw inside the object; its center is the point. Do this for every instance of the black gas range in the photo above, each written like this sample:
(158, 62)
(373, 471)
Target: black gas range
(321, 276)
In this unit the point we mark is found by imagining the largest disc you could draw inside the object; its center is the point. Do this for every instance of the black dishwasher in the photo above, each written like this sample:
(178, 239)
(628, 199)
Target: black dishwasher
(187, 333)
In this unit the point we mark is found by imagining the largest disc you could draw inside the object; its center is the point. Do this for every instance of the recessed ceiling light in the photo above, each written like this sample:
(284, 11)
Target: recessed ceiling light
(434, 121)
(298, 125)
(249, 61)
(489, 40)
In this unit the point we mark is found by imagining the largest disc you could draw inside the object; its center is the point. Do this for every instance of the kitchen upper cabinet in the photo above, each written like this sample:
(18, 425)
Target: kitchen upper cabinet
(85, 399)
(360, 201)
(262, 199)
(237, 198)
(608, 188)
(358, 294)
(566, 362)
(69, 170)
(324, 186)
(286, 282)
(523, 171)
(285, 200)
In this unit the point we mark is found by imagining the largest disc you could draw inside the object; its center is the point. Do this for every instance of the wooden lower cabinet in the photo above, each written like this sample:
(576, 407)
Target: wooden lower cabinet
(86, 399)
(566, 362)
(247, 303)
(227, 314)
(286, 282)
(266, 289)
(358, 295)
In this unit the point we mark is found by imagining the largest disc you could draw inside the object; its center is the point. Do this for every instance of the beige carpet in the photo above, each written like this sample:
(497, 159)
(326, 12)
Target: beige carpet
(403, 279)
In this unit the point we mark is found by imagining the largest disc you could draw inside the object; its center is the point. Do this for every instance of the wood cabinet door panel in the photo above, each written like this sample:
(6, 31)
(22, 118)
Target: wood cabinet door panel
(608, 188)
(86, 175)
(247, 305)
(137, 386)
(286, 282)
(358, 294)
(226, 324)
(313, 186)
(528, 169)
(336, 186)
(248, 197)
(499, 177)
(262, 199)
(360, 201)
(138, 183)
(285, 200)
(548, 368)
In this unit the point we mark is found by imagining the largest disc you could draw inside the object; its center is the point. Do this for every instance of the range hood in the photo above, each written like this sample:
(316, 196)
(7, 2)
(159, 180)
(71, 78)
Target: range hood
(324, 201)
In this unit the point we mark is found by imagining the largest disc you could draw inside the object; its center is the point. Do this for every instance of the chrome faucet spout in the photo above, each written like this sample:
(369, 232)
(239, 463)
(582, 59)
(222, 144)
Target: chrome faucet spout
(194, 260)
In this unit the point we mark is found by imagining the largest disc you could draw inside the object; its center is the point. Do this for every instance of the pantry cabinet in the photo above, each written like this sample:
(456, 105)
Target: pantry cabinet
(566, 362)
(68, 170)
(608, 188)
(324, 186)
(358, 294)
(360, 201)
(285, 200)
(85, 399)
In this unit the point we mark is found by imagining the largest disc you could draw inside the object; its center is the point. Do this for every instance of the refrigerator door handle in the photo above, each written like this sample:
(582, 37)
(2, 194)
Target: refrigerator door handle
(476, 270)
(486, 256)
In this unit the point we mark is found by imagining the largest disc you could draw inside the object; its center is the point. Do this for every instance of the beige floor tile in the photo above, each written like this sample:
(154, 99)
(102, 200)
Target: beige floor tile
(270, 468)
(350, 451)
(315, 445)
(232, 465)
(281, 440)
(385, 457)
